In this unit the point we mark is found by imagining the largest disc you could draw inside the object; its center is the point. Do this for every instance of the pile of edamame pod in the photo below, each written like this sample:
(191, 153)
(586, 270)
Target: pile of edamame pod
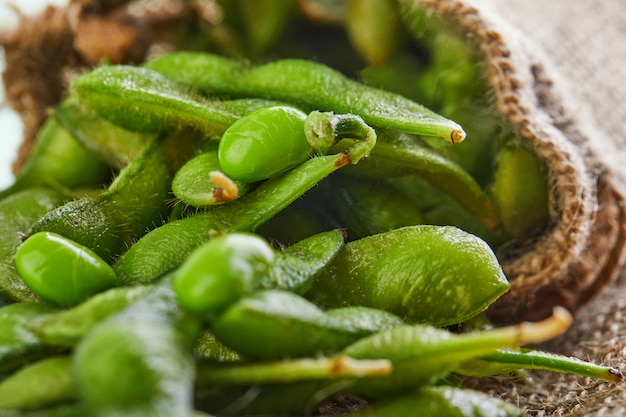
(250, 228)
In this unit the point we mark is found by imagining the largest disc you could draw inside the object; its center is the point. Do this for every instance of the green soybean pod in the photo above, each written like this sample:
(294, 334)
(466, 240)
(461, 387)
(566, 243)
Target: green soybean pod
(397, 155)
(521, 192)
(422, 354)
(19, 343)
(367, 207)
(67, 327)
(59, 161)
(503, 361)
(439, 275)
(221, 271)
(111, 143)
(441, 401)
(134, 203)
(275, 324)
(18, 212)
(61, 271)
(308, 84)
(142, 100)
(140, 361)
(166, 247)
(41, 384)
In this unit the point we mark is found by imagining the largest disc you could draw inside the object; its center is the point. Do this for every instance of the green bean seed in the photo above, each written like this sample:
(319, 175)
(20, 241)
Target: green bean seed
(263, 144)
(308, 84)
(429, 274)
(221, 271)
(61, 271)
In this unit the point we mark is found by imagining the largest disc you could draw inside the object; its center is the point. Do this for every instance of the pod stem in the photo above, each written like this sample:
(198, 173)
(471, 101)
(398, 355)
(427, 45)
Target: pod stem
(325, 129)
(531, 359)
(211, 373)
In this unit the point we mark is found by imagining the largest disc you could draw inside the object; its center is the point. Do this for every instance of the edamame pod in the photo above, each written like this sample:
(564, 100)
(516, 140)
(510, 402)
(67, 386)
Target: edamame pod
(134, 203)
(421, 354)
(367, 208)
(139, 362)
(67, 327)
(113, 144)
(439, 275)
(308, 84)
(18, 212)
(276, 324)
(62, 271)
(520, 191)
(142, 100)
(166, 247)
(441, 401)
(19, 342)
(59, 161)
(45, 383)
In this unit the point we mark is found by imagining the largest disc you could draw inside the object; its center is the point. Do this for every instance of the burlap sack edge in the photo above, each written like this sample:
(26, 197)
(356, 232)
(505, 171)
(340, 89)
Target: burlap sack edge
(584, 247)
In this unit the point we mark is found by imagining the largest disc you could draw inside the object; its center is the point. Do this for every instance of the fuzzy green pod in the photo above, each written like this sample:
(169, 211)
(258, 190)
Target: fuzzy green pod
(441, 401)
(61, 271)
(427, 274)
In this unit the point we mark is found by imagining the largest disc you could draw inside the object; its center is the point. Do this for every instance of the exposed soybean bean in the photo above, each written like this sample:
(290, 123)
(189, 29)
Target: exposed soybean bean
(61, 271)
(18, 212)
(164, 248)
(309, 84)
(430, 274)
(142, 100)
(221, 271)
(42, 384)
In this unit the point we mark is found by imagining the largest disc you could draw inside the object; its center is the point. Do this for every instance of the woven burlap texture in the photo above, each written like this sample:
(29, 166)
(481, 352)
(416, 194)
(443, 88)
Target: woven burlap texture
(583, 43)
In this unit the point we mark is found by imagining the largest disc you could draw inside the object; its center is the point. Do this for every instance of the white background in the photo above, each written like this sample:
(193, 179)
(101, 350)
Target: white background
(10, 123)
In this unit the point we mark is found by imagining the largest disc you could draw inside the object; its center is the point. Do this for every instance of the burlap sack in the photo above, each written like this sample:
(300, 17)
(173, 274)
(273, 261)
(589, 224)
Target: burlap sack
(563, 94)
